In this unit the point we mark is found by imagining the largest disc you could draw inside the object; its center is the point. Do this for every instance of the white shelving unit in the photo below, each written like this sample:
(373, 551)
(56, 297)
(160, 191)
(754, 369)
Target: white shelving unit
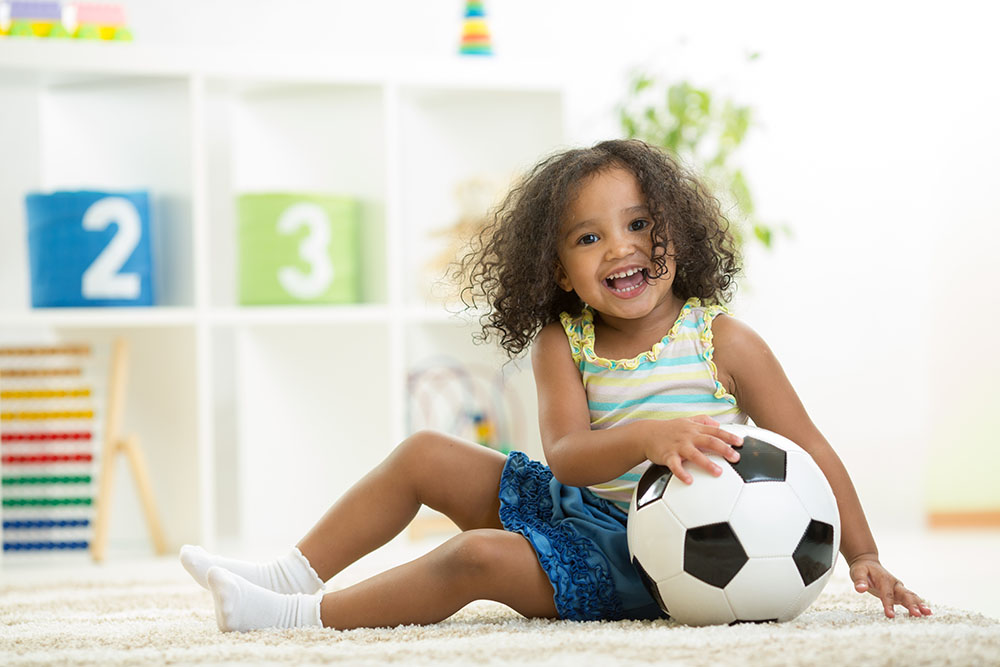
(255, 418)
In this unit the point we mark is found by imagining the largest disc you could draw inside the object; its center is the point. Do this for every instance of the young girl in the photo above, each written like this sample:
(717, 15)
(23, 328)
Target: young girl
(612, 263)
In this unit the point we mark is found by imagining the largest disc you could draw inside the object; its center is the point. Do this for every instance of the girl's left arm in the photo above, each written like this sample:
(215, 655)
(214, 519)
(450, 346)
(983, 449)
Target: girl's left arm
(750, 371)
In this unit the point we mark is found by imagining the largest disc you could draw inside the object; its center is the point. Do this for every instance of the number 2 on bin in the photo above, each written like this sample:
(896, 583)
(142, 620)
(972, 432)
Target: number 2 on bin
(313, 250)
(102, 279)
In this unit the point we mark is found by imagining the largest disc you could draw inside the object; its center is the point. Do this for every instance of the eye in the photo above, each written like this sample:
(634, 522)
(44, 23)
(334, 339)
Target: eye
(638, 225)
(587, 239)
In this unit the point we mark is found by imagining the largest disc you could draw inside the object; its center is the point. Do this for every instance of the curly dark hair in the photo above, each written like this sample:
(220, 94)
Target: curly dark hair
(511, 265)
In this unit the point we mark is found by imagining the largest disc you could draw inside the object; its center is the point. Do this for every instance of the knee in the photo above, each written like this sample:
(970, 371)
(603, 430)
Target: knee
(418, 447)
(426, 452)
(474, 554)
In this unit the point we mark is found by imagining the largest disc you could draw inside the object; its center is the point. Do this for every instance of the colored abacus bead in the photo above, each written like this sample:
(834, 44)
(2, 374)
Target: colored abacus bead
(44, 437)
(28, 524)
(45, 502)
(63, 479)
(46, 458)
(44, 546)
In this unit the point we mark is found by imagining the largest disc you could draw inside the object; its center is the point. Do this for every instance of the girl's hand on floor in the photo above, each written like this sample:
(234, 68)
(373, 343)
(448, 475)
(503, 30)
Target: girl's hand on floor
(870, 576)
(673, 441)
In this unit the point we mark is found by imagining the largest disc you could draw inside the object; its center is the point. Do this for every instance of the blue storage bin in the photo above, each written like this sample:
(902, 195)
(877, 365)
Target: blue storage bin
(89, 248)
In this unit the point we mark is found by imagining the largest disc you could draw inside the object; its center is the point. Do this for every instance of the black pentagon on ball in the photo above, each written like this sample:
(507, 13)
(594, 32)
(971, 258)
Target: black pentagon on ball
(760, 461)
(650, 585)
(713, 554)
(655, 477)
(814, 554)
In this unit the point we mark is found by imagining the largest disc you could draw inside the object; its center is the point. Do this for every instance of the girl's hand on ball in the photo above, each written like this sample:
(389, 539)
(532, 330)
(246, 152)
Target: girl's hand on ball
(677, 440)
(870, 576)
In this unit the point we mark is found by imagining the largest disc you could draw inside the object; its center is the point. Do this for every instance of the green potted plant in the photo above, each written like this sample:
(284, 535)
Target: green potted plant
(704, 131)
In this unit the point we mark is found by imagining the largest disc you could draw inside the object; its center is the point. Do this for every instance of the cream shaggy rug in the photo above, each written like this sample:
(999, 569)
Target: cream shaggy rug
(94, 618)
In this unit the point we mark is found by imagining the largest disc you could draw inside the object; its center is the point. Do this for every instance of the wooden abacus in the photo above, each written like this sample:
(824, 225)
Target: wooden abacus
(51, 448)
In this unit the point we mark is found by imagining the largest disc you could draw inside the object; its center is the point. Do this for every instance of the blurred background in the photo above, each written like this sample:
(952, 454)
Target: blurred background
(856, 148)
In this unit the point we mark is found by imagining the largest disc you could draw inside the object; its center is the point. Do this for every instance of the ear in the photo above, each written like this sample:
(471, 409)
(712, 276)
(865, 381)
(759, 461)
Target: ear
(561, 278)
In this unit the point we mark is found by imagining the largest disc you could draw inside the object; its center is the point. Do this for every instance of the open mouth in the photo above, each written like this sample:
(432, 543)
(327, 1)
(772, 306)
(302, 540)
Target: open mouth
(627, 282)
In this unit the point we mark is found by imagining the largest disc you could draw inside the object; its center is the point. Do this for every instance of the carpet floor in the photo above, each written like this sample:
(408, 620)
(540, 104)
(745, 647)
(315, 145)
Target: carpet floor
(95, 619)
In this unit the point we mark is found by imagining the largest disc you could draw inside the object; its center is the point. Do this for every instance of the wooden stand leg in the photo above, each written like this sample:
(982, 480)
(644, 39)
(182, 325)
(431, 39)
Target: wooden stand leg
(98, 547)
(118, 374)
(114, 444)
(141, 475)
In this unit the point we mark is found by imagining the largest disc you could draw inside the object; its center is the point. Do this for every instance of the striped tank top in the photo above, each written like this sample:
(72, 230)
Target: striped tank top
(677, 378)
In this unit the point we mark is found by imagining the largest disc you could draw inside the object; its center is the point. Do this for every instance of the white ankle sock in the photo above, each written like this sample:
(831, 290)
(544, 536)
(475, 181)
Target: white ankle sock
(291, 573)
(241, 605)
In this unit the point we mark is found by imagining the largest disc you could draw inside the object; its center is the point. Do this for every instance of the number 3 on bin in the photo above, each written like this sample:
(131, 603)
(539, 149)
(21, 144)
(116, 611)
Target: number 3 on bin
(102, 279)
(313, 250)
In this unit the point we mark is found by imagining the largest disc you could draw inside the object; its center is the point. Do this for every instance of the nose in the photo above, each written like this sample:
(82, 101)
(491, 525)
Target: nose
(619, 246)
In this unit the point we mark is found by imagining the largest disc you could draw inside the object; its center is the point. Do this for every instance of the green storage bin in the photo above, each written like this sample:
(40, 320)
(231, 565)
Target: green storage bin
(297, 248)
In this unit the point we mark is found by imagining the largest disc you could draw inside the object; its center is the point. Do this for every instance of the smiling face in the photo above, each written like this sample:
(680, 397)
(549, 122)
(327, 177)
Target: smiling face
(605, 250)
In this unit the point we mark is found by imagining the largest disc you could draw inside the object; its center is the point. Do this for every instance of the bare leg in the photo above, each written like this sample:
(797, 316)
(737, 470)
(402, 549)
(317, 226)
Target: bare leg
(455, 477)
(485, 564)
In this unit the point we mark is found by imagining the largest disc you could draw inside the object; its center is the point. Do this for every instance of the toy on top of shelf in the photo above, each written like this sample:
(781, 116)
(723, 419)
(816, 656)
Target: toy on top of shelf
(475, 32)
(298, 248)
(51, 19)
(87, 20)
(36, 18)
(90, 248)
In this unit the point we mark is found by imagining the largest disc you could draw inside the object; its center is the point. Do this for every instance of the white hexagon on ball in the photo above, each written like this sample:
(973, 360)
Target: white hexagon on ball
(753, 519)
(694, 602)
(750, 603)
(700, 503)
(809, 483)
(657, 530)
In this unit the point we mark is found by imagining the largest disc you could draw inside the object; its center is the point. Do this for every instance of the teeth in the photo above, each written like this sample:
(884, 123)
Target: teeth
(624, 274)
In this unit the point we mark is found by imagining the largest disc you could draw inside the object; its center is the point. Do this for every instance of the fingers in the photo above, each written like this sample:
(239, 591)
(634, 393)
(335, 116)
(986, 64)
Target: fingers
(675, 463)
(889, 600)
(913, 602)
(903, 596)
(882, 585)
(891, 591)
(699, 436)
(697, 457)
(704, 419)
(717, 432)
(721, 442)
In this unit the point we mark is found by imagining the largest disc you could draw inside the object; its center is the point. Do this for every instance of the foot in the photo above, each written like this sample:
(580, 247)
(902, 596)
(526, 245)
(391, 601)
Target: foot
(241, 606)
(197, 562)
(291, 573)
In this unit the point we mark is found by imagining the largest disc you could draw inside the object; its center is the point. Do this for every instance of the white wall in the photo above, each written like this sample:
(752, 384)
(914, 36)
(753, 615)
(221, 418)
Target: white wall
(875, 144)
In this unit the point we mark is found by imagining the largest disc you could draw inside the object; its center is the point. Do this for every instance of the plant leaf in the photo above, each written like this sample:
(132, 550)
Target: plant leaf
(763, 234)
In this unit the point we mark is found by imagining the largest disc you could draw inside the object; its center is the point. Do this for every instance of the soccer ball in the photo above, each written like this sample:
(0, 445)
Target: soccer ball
(757, 543)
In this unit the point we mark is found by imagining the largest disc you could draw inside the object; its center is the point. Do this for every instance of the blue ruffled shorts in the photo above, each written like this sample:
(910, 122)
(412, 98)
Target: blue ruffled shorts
(580, 540)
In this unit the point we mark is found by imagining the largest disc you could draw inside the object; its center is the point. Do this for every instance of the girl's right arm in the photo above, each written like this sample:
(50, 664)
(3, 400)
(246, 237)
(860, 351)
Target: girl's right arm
(579, 456)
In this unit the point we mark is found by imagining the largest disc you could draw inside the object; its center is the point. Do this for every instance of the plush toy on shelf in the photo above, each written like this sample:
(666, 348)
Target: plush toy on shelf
(33, 19)
(97, 21)
(475, 32)
(53, 19)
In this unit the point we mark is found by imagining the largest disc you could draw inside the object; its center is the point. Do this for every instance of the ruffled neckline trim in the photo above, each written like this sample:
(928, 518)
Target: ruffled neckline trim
(586, 340)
